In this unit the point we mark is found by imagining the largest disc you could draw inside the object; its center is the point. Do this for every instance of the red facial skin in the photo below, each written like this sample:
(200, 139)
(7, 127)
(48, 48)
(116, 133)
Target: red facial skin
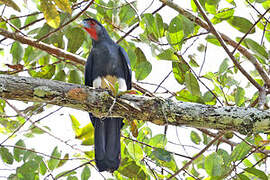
(92, 30)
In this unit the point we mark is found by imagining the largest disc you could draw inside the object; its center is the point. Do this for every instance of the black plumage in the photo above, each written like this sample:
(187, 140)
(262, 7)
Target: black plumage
(107, 63)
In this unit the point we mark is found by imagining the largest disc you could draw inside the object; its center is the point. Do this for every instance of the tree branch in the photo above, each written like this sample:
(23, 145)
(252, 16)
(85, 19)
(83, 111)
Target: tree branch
(153, 109)
(43, 46)
(226, 39)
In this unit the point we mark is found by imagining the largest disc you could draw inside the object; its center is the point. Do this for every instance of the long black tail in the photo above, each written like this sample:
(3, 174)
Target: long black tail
(107, 142)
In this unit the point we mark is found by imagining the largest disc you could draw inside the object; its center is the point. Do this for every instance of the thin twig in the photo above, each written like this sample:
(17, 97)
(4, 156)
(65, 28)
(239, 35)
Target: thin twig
(198, 78)
(198, 155)
(213, 30)
(256, 10)
(27, 25)
(67, 172)
(250, 29)
(137, 25)
(153, 84)
(164, 79)
(16, 130)
(11, 25)
(68, 22)
(135, 140)
(31, 14)
(41, 153)
(149, 167)
(204, 58)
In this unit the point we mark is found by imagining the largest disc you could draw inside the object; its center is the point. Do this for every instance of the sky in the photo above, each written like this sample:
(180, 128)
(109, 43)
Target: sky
(60, 123)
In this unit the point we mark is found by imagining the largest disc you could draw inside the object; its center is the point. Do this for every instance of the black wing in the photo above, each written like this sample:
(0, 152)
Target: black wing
(126, 65)
(89, 70)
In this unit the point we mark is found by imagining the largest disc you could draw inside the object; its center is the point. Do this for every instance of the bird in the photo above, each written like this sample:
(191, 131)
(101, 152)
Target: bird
(107, 64)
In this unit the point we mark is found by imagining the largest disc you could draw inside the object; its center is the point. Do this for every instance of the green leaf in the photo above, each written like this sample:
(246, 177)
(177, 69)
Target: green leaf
(50, 13)
(162, 154)
(33, 55)
(153, 25)
(158, 141)
(266, 4)
(53, 162)
(127, 14)
(45, 29)
(175, 33)
(63, 5)
(144, 133)
(17, 52)
(135, 151)
(76, 37)
(179, 71)
(242, 177)
(211, 6)
(75, 124)
(45, 72)
(192, 84)
(11, 3)
(87, 134)
(86, 173)
(15, 21)
(241, 24)
(194, 7)
(159, 26)
(240, 151)
(29, 155)
(60, 76)
(6, 155)
(195, 138)
(2, 105)
(225, 13)
(147, 23)
(260, 1)
(131, 169)
(256, 48)
(212, 39)
(209, 99)
(239, 96)
(36, 130)
(30, 19)
(186, 96)
(188, 26)
(72, 178)
(224, 154)
(74, 77)
(142, 67)
(27, 170)
(213, 164)
(167, 54)
(143, 70)
(19, 152)
(201, 47)
(43, 168)
(67, 173)
(258, 173)
(192, 61)
(63, 160)
(223, 66)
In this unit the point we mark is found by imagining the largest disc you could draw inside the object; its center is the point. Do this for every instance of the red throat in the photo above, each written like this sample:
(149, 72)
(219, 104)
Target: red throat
(92, 32)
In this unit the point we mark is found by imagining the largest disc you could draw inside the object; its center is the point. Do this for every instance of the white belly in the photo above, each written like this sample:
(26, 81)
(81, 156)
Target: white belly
(106, 82)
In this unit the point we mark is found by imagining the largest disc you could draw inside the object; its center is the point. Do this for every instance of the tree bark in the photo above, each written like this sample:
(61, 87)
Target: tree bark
(156, 110)
(42, 46)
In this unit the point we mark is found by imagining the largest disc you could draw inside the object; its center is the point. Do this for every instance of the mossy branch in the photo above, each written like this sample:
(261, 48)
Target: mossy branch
(153, 109)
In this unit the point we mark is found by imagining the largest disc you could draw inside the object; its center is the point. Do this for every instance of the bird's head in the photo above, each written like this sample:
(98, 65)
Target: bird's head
(94, 28)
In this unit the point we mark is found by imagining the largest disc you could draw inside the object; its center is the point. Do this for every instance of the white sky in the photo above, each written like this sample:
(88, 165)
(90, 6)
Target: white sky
(60, 123)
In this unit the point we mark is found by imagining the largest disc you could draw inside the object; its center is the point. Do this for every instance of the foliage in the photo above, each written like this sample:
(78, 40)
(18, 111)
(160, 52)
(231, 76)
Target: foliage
(178, 39)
